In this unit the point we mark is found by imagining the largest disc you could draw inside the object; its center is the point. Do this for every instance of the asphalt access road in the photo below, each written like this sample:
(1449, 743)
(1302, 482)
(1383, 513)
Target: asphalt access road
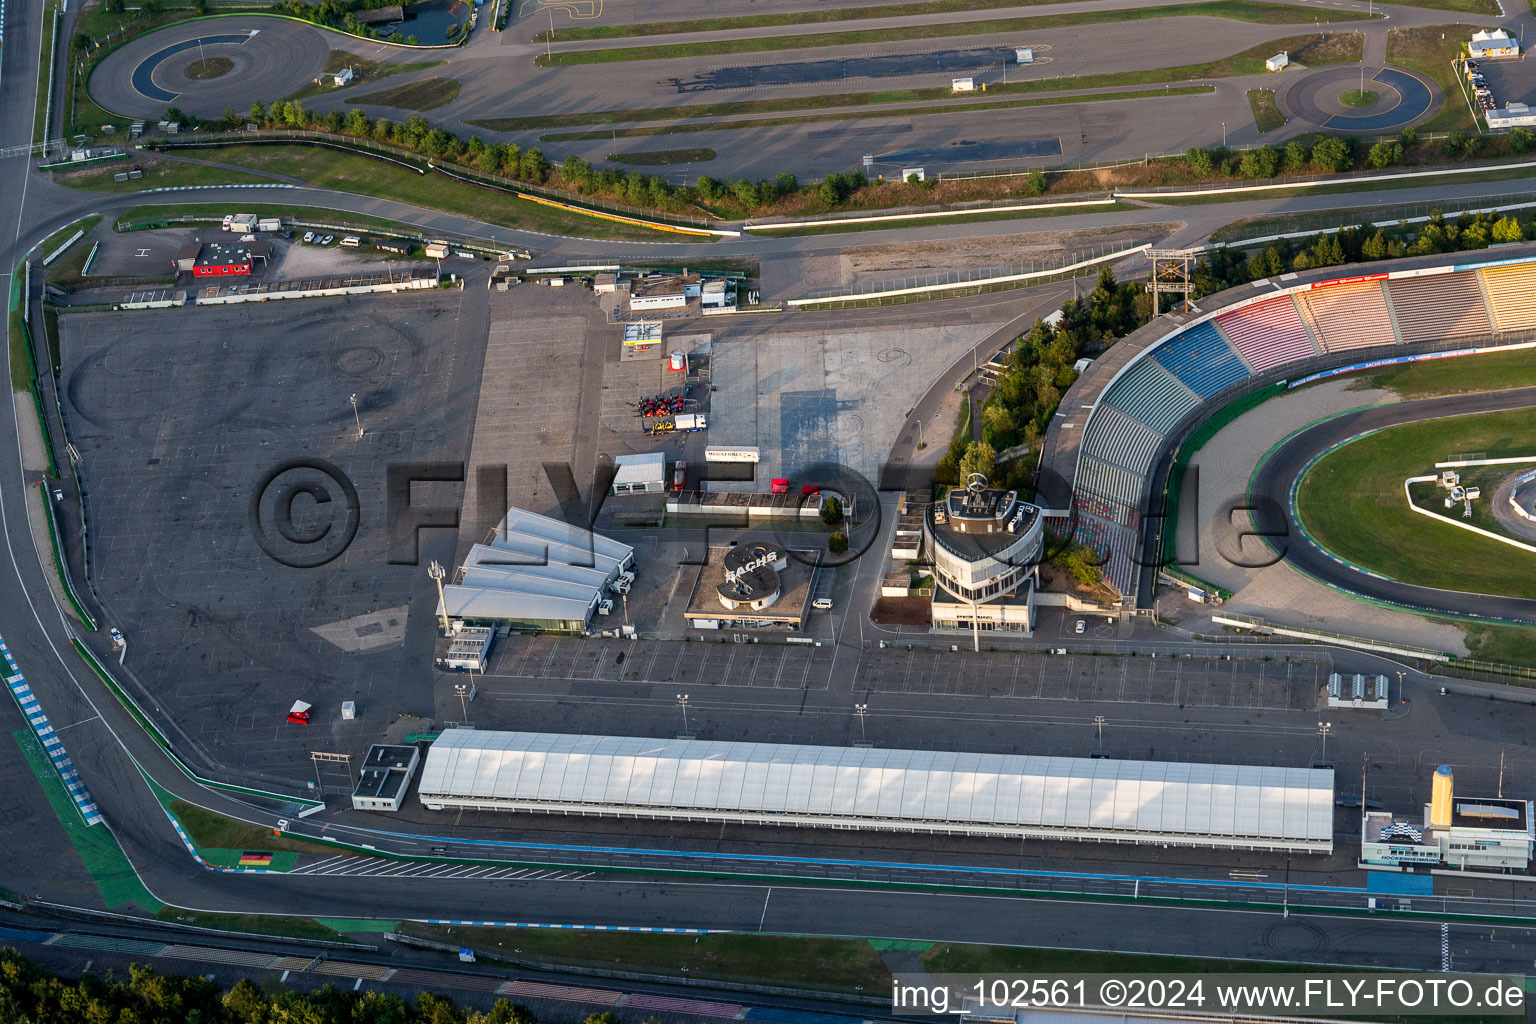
(1277, 474)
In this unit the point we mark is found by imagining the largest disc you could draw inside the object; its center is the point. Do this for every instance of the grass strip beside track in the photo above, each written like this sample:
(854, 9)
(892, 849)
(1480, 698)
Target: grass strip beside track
(771, 122)
(60, 565)
(1495, 371)
(1239, 10)
(364, 70)
(1509, 645)
(24, 362)
(1266, 116)
(140, 218)
(254, 924)
(1429, 50)
(908, 10)
(157, 174)
(834, 227)
(97, 847)
(334, 168)
(1351, 502)
(427, 94)
(208, 829)
(45, 66)
(84, 225)
(804, 962)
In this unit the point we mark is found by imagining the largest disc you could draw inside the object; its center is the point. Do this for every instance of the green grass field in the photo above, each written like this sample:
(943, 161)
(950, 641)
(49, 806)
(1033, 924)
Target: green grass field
(1239, 10)
(1506, 645)
(58, 238)
(1352, 503)
(216, 831)
(254, 924)
(1494, 371)
(139, 216)
(157, 174)
(804, 962)
(1424, 50)
(426, 94)
(349, 172)
(1266, 116)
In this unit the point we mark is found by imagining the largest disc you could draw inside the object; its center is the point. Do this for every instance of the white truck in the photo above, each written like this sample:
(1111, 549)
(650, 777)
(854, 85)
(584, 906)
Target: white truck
(690, 421)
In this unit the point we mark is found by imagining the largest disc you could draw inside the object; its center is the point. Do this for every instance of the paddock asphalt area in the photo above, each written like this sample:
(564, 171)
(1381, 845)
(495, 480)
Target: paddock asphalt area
(1185, 682)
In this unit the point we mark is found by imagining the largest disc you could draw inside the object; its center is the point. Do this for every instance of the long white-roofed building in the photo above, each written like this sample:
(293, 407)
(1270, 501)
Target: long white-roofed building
(535, 572)
(1062, 798)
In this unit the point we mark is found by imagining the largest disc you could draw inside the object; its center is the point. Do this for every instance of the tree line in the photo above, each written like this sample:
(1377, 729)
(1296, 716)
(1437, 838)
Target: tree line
(1227, 267)
(30, 995)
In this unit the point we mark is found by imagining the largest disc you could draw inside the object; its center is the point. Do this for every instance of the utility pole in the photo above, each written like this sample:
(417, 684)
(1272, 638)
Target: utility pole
(463, 692)
(356, 418)
(1323, 728)
(1501, 775)
(861, 710)
(550, 39)
(437, 572)
(1098, 724)
(682, 702)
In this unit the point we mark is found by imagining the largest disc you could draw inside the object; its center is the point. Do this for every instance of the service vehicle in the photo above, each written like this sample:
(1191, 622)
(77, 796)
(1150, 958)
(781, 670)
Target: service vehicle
(299, 713)
(309, 236)
(117, 637)
(678, 468)
(351, 241)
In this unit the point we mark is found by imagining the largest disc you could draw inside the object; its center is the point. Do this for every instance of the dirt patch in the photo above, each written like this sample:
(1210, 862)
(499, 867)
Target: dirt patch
(1056, 579)
(902, 611)
(1030, 247)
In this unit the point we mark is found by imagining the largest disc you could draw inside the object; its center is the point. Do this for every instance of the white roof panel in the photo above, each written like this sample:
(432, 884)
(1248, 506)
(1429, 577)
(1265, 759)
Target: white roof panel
(618, 772)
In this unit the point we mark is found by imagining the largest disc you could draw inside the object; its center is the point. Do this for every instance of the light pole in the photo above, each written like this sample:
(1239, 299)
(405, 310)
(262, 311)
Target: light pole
(463, 692)
(355, 416)
(1323, 728)
(1400, 677)
(682, 702)
(437, 572)
(861, 710)
(1223, 135)
(1098, 724)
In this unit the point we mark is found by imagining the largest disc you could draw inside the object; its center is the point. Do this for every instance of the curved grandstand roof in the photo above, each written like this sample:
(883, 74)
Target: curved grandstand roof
(859, 787)
(1131, 404)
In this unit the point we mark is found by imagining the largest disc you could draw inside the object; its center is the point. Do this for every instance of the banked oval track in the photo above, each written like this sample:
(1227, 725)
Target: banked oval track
(1271, 492)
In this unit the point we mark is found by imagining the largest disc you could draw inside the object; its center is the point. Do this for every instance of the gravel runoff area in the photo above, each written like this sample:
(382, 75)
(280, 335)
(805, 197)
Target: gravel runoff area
(1278, 592)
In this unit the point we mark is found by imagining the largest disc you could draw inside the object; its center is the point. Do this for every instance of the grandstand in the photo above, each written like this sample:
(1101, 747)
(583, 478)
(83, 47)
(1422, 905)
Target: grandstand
(1512, 296)
(1348, 316)
(1202, 360)
(1125, 412)
(1441, 306)
(1268, 334)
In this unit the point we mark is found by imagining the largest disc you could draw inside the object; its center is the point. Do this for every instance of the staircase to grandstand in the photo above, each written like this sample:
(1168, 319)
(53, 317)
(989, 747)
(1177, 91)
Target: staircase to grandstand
(1292, 325)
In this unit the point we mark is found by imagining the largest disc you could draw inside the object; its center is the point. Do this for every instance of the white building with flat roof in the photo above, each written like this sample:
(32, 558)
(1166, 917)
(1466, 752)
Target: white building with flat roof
(1062, 798)
(645, 473)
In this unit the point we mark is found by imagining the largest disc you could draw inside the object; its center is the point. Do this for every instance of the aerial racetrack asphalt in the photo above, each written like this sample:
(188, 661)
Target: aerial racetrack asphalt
(1271, 491)
(272, 58)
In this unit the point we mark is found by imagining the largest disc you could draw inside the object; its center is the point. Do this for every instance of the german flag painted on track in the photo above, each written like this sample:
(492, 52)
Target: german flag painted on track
(255, 860)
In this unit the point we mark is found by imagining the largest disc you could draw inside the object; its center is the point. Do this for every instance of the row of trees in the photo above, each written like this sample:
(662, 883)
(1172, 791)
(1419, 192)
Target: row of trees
(1226, 267)
(29, 995)
(1331, 154)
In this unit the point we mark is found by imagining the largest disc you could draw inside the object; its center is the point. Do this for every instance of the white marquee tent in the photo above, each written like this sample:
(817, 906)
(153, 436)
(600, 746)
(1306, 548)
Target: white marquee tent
(1177, 803)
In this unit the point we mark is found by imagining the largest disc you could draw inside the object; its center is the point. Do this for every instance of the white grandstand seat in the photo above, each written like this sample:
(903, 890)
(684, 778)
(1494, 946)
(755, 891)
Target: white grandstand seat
(1512, 292)
(1114, 437)
(1268, 333)
(1350, 316)
(1151, 395)
(1439, 306)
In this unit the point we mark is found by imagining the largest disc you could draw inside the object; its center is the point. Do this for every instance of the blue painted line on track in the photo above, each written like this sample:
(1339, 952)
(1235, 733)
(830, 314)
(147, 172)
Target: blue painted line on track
(747, 858)
(52, 745)
(143, 80)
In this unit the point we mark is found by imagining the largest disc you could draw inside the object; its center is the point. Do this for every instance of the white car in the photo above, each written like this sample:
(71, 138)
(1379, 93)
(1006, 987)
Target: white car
(117, 637)
(228, 217)
(1081, 626)
(309, 236)
(328, 239)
